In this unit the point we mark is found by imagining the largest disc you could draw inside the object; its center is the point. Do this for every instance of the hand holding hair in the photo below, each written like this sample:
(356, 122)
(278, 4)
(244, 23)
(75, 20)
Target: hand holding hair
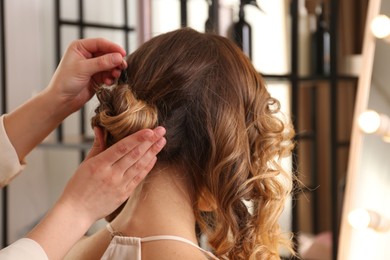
(86, 64)
(102, 183)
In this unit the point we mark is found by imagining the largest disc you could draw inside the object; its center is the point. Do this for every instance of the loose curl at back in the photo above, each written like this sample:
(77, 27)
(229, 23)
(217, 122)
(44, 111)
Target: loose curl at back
(223, 128)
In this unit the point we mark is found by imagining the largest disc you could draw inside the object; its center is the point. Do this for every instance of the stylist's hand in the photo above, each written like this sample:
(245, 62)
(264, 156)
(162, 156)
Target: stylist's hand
(86, 64)
(107, 178)
(102, 182)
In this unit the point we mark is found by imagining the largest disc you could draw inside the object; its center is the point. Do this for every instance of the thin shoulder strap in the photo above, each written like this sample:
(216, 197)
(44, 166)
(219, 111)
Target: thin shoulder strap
(176, 238)
(163, 237)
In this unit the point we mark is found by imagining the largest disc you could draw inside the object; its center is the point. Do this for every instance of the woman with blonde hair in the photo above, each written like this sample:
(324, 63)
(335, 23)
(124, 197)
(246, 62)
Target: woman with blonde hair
(220, 172)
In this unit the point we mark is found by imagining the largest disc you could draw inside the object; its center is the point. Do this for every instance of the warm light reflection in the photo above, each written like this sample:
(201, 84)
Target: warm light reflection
(363, 219)
(369, 121)
(359, 218)
(372, 122)
(380, 26)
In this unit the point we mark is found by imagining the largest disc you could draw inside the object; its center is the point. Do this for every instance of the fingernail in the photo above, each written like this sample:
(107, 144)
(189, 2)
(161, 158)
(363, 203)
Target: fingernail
(116, 59)
(160, 131)
(161, 142)
(148, 134)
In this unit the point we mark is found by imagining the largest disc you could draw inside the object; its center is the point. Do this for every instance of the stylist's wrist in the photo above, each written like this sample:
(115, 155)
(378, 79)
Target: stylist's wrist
(55, 109)
(76, 211)
(60, 105)
(63, 223)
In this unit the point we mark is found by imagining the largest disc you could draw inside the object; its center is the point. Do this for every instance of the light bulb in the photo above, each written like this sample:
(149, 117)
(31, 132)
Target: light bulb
(371, 122)
(380, 26)
(359, 218)
(362, 219)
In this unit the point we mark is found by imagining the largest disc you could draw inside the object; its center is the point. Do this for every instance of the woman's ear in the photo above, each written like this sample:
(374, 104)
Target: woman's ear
(206, 201)
(99, 137)
(98, 143)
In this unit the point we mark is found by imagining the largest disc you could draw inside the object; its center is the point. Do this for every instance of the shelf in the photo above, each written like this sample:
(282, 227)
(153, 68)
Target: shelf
(96, 25)
(342, 77)
(307, 189)
(344, 144)
(64, 145)
(304, 136)
(70, 142)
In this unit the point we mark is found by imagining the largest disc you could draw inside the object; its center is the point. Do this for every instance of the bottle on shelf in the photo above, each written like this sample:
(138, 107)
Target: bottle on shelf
(303, 39)
(241, 32)
(209, 25)
(320, 44)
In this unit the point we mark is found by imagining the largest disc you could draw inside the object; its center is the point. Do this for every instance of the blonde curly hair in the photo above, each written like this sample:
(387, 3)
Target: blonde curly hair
(223, 128)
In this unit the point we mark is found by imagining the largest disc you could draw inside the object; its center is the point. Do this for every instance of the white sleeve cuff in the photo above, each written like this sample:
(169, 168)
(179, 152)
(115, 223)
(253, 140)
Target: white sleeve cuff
(10, 166)
(22, 249)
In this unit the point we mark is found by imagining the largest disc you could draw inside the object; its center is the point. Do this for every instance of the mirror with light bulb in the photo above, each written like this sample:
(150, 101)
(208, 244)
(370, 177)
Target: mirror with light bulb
(365, 228)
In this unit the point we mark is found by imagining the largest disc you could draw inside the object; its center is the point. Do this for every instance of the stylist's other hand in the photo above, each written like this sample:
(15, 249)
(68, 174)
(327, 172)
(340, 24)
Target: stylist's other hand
(108, 177)
(86, 64)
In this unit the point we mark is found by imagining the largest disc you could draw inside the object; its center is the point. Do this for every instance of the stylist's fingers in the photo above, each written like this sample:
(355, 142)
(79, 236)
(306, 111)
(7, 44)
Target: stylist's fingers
(107, 77)
(114, 155)
(94, 46)
(138, 157)
(102, 63)
(134, 175)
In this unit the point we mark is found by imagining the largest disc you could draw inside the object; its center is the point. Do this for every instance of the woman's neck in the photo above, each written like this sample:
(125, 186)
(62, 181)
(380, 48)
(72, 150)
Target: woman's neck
(162, 207)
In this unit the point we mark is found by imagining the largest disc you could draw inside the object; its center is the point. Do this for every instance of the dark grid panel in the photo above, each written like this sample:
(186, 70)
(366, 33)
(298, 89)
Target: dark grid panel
(3, 109)
(333, 79)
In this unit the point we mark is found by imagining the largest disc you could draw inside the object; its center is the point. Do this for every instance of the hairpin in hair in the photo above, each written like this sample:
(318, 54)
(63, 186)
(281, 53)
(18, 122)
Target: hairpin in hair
(123, 77)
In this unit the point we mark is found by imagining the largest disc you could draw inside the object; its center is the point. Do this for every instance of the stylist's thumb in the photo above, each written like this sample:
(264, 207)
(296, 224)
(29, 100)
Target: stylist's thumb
(98, 144)
(103, 63)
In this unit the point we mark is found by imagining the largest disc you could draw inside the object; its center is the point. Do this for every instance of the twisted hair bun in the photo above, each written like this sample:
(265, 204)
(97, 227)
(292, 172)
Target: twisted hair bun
(120, 113)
